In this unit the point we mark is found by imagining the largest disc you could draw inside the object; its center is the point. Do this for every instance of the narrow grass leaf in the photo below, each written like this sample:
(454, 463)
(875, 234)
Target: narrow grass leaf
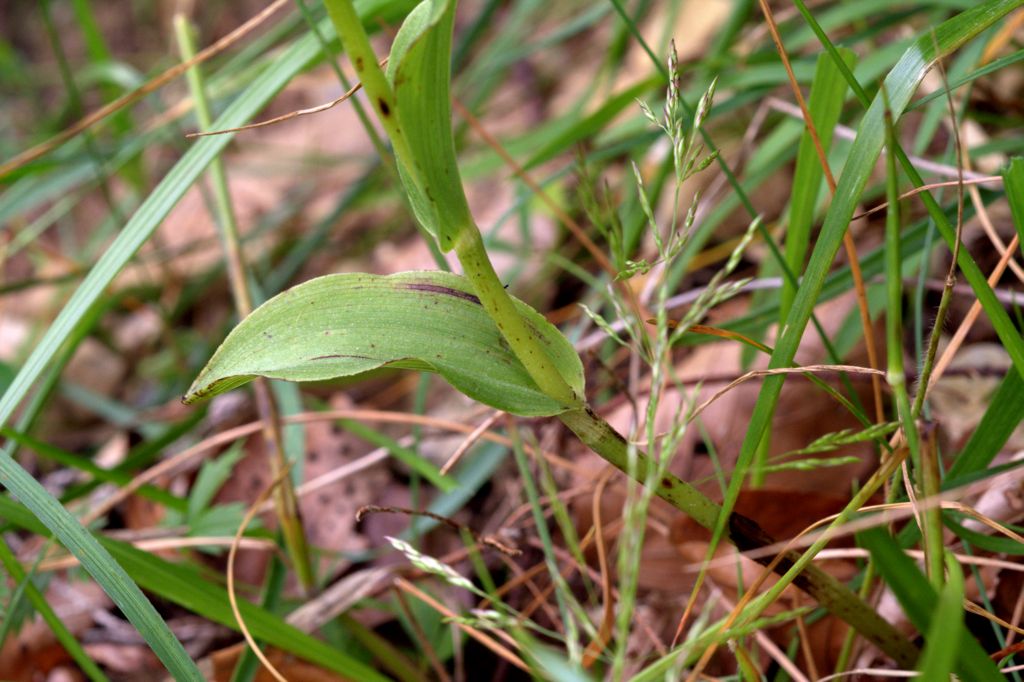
(989, 543)
(991, 67)
(186, 587)
(15, 514)
(587, 126)
(98, 473)
(16, 573)
(920, 602)
(1013, 181)
(1003, 416)
(471, 474)
(153, 210)
(410, 458)
(828, 91)
(946, 37)
(102, 567)
(943, 638)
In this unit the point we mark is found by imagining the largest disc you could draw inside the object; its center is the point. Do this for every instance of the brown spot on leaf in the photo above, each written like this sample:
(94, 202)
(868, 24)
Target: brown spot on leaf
(447, 291)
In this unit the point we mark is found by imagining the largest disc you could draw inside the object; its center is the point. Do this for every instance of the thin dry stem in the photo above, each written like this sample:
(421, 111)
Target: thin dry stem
(470, 441)
(988, 615)
(917, 555)
(541, 600)
(850, 369)
(847, 133)
(421, 637)
(1006, 34)
(604, 633)
(61, 563)
(567, 220)
(571, 565)
(232, 555)
(574, 227)
(968, 321)
(286, 117)
(752, 590)
(1018, 611)
(486, 640)
(805, 647)
(929, 187)
(189, 457)
(888, 513)
(482, 540)
(947, 292)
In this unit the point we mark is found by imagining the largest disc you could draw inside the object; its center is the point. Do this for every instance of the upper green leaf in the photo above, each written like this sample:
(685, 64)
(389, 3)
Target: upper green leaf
(341, 325)
(419, 71)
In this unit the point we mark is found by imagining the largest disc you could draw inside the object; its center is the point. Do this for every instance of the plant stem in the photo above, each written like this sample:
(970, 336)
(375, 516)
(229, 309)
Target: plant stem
(382, 98)
(469, 246)
(947, 292)
(285, 501)
(934, 554)
(329, 57)
(520, 337)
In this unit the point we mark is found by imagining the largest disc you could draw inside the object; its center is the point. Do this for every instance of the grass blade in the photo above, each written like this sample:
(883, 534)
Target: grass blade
(921, 603)
(102, 567)
(826, 104)
(1013, 178)
(186, 587)
(16, 573)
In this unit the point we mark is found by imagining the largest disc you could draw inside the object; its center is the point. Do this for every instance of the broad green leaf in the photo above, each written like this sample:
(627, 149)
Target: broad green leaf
(342, 325)
(419, 72)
